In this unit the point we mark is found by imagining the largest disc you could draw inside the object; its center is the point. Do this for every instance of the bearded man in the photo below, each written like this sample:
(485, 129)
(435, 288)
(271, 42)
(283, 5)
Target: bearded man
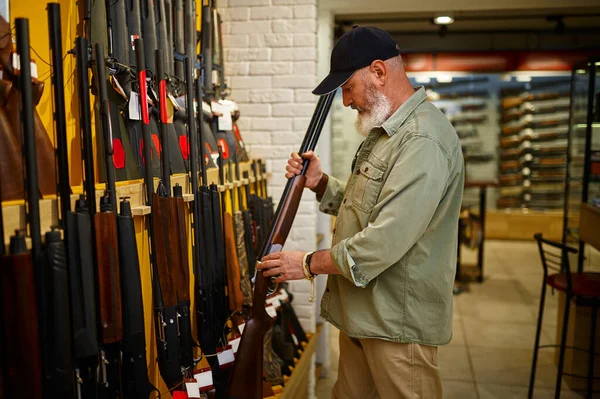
(392, 262)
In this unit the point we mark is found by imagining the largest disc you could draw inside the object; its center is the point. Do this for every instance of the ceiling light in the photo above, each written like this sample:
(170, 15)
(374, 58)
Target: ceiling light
(443, 20)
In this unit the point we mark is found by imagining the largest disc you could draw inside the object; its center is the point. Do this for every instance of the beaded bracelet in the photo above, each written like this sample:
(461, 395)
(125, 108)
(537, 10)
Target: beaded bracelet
(309, 276)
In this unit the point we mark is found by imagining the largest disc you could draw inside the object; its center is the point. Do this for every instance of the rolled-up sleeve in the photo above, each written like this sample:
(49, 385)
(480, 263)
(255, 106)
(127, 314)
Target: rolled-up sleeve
(333, 196)
(407, 202)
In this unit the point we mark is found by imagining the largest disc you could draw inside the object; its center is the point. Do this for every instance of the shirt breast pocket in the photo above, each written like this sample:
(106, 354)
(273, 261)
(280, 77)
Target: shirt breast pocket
(369, 181)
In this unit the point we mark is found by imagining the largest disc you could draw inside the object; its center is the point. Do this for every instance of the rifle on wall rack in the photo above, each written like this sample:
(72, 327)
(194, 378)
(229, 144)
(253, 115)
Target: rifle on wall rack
(243, 383)
(21, 279)
(163, 294)
(58, 360)
(102, 26)
(190, 45)
(107, 251)
(149, 30)
(81, 244)
(169, 221)
(174, 132)
(210, 53)
(134, 371)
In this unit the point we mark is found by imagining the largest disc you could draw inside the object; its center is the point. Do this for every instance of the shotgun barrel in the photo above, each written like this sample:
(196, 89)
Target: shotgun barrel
(58, 365)
(82, 251)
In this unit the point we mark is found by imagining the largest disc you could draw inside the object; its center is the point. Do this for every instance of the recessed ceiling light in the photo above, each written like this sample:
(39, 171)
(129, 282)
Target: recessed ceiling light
(443, 20)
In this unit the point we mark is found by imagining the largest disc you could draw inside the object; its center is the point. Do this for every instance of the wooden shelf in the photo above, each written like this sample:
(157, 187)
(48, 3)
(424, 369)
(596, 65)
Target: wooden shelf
(297, 386)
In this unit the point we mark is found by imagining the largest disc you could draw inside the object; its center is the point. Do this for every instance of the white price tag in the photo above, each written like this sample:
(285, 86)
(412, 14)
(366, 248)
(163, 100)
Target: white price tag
(271, 311)
(283, 295)
(205, 379)
(135, 113)
(206, 108)
(235, 344)
(34, 70)
(226, 357)
(241, 327)
(192, 389)
(224, 120)
(274, 301)
(16, 63)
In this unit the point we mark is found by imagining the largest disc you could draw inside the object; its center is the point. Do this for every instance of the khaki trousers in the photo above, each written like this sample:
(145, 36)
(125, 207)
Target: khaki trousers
(374, 368)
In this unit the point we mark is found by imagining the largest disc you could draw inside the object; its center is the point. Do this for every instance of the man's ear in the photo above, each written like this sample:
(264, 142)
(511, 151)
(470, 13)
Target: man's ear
(379, 70)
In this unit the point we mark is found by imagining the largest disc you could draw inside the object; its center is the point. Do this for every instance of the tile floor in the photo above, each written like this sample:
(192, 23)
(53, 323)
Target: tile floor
(494, 331)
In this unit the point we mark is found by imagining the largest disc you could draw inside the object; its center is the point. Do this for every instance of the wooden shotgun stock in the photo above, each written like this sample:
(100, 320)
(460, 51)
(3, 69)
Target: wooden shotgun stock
(20, 322)
(246, 379)
(107, 250)
(243, 383)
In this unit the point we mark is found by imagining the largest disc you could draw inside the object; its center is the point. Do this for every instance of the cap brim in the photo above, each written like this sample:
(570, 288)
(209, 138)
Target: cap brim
(332, 82)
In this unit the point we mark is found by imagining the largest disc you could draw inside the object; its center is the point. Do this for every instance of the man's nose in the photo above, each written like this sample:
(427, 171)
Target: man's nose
(346, 99)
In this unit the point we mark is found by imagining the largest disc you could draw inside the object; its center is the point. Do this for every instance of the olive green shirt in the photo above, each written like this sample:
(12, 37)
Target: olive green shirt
(396, 233)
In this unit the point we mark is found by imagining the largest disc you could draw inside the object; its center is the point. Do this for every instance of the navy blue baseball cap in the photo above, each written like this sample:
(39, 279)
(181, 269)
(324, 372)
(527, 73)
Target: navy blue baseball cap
(356, 49)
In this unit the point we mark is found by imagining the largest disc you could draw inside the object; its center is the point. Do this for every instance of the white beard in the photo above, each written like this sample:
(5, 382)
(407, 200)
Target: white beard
(379, 110)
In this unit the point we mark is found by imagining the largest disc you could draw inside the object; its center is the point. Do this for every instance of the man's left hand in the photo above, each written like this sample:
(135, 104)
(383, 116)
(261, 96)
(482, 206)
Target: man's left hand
(286, 265)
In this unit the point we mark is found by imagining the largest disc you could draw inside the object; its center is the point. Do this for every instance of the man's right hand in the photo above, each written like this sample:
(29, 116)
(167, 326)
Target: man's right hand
(314, 172)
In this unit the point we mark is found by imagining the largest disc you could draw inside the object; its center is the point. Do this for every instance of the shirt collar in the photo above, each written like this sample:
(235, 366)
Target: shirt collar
(391, 125)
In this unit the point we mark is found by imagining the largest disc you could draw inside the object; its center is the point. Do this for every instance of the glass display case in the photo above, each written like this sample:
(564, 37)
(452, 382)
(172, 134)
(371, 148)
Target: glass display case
(582, 189)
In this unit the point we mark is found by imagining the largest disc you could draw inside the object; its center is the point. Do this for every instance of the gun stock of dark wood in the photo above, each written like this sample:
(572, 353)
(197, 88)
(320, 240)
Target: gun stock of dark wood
(109, 283)
(246, 377)
(21, 327)
(162, 241)
(181, 275)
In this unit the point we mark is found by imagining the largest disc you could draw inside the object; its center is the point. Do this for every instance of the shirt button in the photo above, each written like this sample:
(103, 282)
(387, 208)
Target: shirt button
(330, 204)
(367, 169)
(357, 171)
(326, 289)
(344, 201)
(333, 231)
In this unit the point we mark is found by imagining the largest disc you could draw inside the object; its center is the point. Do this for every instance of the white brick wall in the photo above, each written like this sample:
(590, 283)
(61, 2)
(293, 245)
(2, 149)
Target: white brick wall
(271, 58)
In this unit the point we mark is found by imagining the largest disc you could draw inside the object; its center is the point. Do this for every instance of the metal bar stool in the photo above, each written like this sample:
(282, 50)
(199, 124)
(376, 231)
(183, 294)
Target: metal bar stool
(583, 288)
